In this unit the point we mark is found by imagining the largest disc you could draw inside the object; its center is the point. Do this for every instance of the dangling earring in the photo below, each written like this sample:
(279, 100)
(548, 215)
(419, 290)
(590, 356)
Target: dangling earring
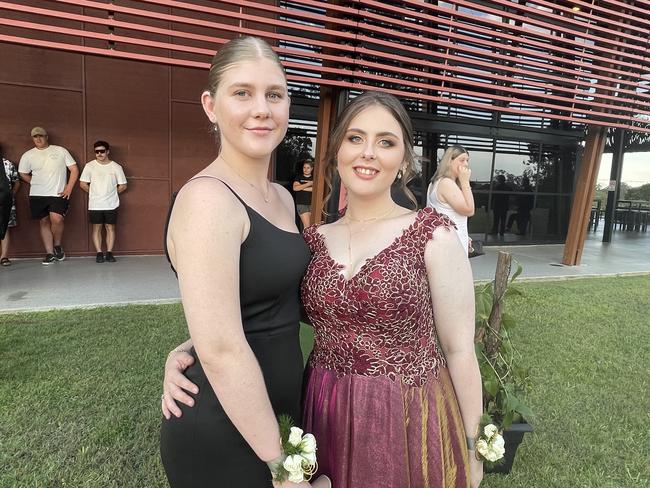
(399, 174)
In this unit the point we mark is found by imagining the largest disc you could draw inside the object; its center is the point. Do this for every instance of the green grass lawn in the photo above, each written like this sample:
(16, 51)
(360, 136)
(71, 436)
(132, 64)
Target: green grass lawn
(79, 390)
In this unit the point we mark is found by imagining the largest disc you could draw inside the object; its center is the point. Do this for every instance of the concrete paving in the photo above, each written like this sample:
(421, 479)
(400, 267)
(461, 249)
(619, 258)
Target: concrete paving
(27, 285)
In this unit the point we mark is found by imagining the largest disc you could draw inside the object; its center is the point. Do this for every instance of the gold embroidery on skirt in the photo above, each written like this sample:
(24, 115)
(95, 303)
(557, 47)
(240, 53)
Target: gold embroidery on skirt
(448, 464)
(425, 422)
(407, 398)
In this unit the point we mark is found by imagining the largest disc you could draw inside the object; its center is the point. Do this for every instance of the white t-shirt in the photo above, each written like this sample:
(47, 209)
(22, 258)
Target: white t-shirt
(48, 168)
(103, 179)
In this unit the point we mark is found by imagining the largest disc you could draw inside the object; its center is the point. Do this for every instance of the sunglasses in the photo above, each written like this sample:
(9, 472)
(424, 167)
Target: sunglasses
(100, 151)
(37, 136)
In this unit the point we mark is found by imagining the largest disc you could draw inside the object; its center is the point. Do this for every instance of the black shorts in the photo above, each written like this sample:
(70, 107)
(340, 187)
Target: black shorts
(102, 216)
(42, 206)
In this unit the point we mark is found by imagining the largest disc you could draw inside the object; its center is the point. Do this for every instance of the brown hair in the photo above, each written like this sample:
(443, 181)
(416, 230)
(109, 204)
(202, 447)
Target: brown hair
(235, 51)
(354, 108)
(444, 166)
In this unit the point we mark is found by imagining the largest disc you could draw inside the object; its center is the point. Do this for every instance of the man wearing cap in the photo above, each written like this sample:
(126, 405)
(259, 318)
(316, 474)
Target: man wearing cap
(45, 167)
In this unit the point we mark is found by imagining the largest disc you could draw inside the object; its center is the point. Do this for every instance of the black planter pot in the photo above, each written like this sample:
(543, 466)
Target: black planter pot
(512, 436)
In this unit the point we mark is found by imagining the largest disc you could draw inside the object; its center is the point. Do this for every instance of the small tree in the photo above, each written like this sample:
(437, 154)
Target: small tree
(505, 383)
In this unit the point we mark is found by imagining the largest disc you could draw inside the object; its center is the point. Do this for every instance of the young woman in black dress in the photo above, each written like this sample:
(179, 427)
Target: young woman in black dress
(239, 258)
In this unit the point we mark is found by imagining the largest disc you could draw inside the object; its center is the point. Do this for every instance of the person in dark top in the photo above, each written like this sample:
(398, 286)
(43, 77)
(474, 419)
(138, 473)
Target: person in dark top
(302, 187)
(500, 205)
(9, 185)
(233, 242)
(524, 207)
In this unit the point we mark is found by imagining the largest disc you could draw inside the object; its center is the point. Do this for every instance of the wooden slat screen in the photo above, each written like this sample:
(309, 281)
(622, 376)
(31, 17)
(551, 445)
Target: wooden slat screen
(540, 63)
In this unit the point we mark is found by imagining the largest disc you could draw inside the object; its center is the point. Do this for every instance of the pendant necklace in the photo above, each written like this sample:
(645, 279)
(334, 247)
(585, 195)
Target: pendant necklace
(363, 228)
(266, 197)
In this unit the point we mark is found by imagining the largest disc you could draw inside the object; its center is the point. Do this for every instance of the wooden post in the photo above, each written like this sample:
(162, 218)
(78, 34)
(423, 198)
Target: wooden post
(326, 120)
(501, 276)
(584, 194)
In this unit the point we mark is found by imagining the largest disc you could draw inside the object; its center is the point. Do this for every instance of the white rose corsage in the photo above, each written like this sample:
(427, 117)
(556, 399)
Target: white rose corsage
(490, 445)
(298, 460)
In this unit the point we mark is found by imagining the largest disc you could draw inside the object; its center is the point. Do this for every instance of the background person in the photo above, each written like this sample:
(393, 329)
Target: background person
(303, 187)
(45, 168)
(500, 205)
(9, 185)
(450, 192)
(524, 207)
(103, 180)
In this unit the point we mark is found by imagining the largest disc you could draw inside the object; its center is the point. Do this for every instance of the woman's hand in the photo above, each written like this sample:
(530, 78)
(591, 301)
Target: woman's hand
(322, 482)
(289, 484)
(175, 383)
(475, 471)
(464, 174)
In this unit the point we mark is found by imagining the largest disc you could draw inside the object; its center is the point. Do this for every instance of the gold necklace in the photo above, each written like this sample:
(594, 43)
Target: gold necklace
(268, 185)
(363, 228)
(370, 219)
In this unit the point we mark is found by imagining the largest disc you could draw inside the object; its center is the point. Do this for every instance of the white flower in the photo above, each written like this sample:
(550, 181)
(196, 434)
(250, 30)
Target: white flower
(482, 447)
(492, 451)
(497, 446)
(499, 442)
(308, 443)
(295, 436)
(310, 457)
(293, 464)
(490, 430)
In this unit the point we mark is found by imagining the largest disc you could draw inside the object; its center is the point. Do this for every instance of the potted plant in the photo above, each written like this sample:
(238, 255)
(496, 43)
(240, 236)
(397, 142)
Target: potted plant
(505, 380)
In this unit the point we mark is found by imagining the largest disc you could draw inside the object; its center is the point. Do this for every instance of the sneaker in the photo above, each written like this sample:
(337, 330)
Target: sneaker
(100, 257)
(49, 258)
(109, 257)
(59, 255)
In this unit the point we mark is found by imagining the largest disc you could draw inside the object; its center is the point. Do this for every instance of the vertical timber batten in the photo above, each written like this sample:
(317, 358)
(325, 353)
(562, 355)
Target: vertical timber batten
(326, 120)
(584, 194)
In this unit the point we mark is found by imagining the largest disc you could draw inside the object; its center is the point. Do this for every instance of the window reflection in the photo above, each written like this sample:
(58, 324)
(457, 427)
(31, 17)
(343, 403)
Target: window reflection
(556, 169)
(550, 217)
(521, 189)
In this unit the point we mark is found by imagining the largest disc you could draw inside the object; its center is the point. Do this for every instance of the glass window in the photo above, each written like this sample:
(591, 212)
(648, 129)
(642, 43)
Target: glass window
(550, 217)
(556, 169)
(516, 160)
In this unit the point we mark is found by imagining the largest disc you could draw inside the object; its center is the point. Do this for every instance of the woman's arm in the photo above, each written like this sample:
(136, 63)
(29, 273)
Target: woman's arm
(204, 248)
(452, 296)
(460, 199)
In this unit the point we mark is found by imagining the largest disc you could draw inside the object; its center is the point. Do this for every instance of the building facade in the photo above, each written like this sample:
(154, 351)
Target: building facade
(529, 87)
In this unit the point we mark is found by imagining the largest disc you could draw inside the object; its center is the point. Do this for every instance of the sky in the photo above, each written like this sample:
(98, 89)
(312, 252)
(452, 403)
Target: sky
(636, 169)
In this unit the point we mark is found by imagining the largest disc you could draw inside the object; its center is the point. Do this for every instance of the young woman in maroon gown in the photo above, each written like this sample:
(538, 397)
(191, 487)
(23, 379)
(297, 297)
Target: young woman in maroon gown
(393, 387)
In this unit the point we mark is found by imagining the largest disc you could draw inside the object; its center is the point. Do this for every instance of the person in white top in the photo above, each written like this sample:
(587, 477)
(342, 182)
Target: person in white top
(45, 168)
(103, 180)
(449, 192)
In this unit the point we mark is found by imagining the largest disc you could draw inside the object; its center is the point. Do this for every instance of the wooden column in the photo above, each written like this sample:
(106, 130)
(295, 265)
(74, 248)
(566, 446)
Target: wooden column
(327, 113)
(584, 194)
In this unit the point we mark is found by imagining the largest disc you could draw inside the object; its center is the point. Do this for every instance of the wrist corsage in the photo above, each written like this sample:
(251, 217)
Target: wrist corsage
(490, 445)
(298, 460)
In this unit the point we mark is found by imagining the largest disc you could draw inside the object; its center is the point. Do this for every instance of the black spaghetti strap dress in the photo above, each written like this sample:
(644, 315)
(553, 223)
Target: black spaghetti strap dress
(203, 449)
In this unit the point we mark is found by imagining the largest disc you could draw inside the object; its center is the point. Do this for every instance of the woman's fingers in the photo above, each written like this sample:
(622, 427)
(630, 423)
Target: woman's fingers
(176, 385)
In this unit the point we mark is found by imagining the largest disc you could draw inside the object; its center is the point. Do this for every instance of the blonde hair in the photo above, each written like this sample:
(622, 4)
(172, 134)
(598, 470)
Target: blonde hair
(236, 51)
(444, 166)
(351, 110)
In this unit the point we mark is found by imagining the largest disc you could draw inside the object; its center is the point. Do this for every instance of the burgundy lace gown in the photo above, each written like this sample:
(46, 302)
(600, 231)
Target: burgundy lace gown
(378, 397)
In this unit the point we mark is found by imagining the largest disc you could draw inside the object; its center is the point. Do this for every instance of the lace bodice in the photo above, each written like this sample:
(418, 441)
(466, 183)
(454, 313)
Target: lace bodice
(380, 321)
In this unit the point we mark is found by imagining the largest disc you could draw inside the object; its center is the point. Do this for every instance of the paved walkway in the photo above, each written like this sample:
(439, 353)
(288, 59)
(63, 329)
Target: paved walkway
(80, 282)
